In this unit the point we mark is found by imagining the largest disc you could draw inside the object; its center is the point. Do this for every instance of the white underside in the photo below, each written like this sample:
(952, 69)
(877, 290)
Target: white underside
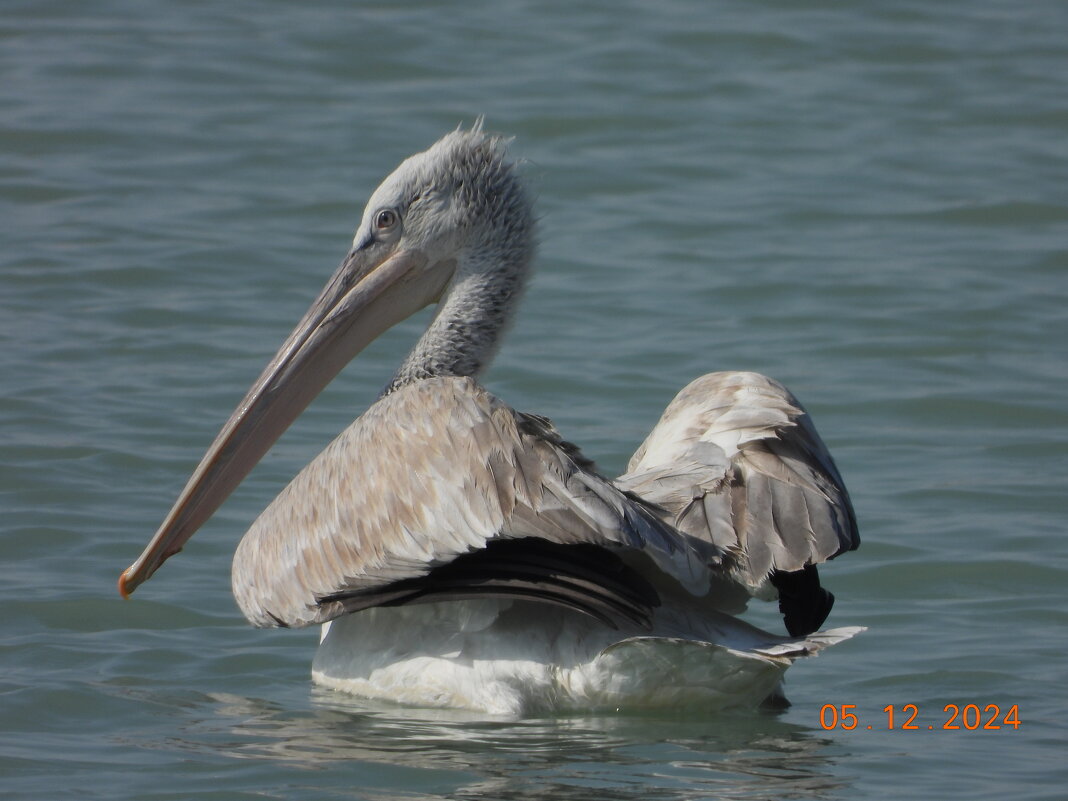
(521, 658)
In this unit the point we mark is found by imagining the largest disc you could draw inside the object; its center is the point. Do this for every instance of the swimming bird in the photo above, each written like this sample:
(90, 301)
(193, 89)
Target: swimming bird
(460, 553)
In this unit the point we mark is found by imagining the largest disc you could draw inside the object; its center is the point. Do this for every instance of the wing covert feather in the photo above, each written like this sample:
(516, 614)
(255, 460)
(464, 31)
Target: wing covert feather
(736, 460)
(430, 472)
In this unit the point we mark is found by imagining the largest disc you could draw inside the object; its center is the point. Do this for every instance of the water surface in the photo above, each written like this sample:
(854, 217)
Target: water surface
(865, 201)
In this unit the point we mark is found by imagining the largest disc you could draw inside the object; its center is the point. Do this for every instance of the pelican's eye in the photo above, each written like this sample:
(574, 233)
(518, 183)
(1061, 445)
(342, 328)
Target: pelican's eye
(386, 219)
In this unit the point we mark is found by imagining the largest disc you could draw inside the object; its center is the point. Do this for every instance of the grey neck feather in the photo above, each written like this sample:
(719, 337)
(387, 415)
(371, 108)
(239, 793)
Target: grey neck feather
(465, 332)
(488, 209)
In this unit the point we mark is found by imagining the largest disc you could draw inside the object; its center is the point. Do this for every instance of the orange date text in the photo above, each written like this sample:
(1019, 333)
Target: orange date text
(907, 717)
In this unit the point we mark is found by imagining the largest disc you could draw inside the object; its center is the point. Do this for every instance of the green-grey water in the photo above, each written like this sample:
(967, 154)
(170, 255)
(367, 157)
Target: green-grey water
(866, 201)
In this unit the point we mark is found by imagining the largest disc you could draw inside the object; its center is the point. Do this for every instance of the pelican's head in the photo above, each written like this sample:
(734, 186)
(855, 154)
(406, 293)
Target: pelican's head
(460, 200)
(455, 213)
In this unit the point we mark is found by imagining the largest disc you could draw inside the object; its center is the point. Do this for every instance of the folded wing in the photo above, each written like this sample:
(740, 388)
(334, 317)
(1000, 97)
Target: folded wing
(403, 505)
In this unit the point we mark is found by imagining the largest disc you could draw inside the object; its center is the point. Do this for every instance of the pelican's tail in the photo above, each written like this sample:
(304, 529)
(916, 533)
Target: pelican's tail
(673, 672)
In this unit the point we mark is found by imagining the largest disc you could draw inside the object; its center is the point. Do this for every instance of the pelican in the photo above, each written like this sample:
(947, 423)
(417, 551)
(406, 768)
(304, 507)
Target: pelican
(459, 553)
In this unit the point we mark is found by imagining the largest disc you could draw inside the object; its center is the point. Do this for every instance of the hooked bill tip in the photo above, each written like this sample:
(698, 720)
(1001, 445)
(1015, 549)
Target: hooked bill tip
(123, 591)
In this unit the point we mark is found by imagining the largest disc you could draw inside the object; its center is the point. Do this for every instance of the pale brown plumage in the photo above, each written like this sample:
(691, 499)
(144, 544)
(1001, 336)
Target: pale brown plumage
(434, 470)
(735, 460)
(441, 467)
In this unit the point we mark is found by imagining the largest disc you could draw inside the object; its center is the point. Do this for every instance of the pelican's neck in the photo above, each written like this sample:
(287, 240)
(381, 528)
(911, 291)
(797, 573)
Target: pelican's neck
(465, 332)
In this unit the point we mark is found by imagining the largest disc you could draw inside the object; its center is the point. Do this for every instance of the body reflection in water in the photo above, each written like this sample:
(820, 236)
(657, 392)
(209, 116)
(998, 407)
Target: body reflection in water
(462, 755)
